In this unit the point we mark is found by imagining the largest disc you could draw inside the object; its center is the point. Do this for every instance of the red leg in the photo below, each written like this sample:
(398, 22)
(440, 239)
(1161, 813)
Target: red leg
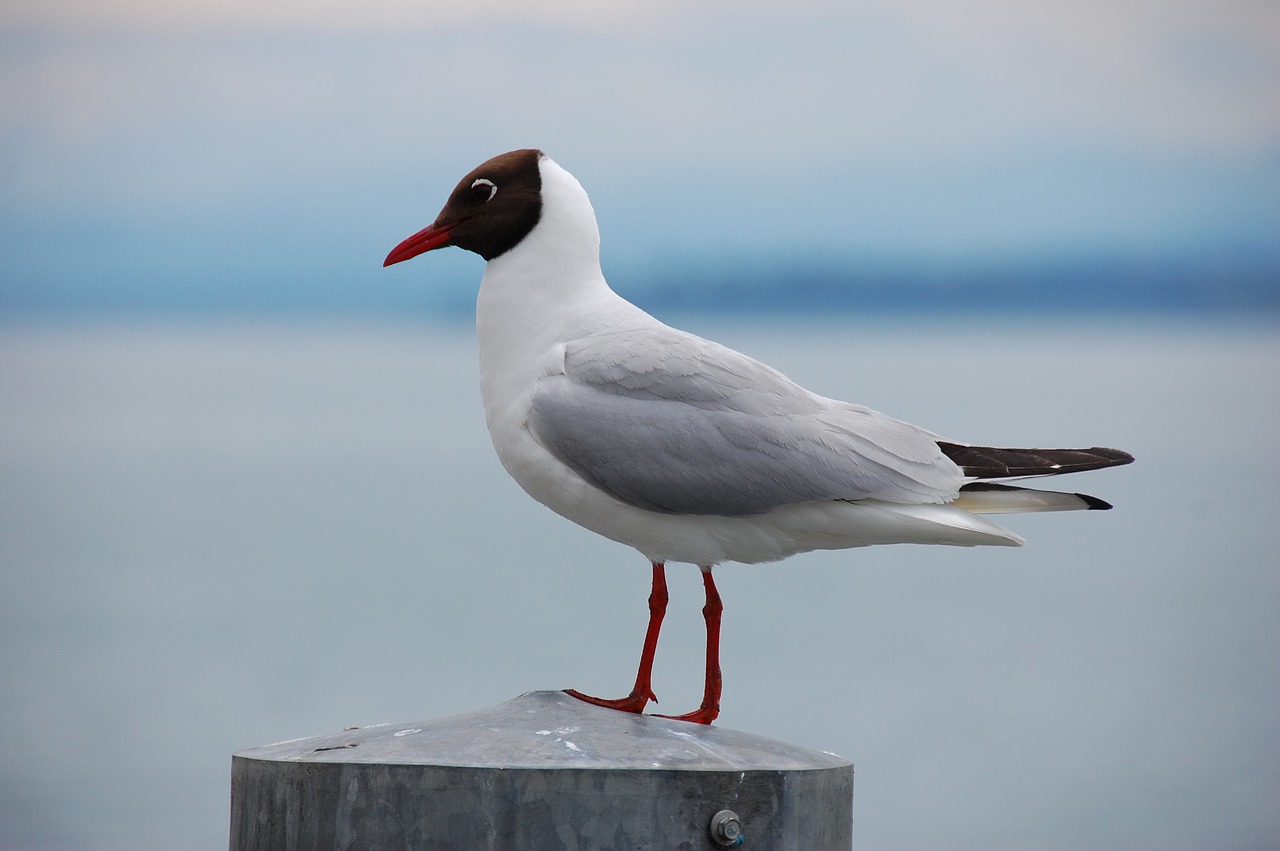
(710, 708)
(642, 693)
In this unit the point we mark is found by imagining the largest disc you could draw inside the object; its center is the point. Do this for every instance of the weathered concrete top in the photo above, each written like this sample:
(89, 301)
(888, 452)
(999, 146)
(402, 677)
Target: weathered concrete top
(549, 729)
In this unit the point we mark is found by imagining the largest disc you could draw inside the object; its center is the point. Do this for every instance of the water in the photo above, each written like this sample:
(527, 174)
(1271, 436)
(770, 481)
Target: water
(218, 536)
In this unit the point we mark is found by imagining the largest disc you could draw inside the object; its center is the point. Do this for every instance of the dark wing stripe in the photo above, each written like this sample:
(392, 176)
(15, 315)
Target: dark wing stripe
(1091, 502)
(985, 462)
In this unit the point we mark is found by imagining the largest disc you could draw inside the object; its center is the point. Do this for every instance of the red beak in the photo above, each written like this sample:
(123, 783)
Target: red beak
(427, 239)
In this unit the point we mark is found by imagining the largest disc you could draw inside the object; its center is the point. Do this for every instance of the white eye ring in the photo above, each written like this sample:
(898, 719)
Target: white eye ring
(484, 181)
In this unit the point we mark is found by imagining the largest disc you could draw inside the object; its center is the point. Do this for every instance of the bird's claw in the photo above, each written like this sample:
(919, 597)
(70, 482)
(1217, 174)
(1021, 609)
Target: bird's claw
(701, 715)
(634, 703)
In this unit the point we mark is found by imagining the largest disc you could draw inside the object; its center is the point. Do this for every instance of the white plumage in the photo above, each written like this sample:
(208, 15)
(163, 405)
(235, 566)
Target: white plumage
(682, 448)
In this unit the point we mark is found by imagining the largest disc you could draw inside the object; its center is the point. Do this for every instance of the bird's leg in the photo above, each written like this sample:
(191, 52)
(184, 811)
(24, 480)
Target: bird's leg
(710, 708)
(642, 693)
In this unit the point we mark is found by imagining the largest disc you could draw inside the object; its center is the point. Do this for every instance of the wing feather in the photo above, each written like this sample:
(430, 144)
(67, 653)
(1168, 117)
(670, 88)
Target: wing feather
(671, 423)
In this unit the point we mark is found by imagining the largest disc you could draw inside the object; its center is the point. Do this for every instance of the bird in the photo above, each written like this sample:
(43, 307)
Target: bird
(679, 447)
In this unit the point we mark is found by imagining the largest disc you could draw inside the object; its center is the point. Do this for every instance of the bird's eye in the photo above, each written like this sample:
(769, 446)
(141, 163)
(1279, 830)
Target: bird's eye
(484, 189)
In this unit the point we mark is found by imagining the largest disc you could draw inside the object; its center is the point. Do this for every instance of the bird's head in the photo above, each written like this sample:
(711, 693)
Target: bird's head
(489, 212)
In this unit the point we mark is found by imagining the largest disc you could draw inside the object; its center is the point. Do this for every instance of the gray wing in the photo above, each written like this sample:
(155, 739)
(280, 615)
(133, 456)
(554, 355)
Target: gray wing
(669, 422)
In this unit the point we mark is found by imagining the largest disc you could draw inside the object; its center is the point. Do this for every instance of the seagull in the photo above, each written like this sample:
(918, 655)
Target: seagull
(682, 448)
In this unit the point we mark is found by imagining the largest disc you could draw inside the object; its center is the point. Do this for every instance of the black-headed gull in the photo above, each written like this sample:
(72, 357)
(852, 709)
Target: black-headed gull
(680, 447)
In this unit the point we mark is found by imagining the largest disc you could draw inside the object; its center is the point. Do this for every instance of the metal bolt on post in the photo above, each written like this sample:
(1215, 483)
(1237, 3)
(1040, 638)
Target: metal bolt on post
(726, 829)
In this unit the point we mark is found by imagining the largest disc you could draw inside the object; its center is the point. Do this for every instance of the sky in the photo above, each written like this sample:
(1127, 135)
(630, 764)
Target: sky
(249, 156)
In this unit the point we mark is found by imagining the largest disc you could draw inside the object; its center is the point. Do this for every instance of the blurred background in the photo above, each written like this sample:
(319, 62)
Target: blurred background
(246, 493)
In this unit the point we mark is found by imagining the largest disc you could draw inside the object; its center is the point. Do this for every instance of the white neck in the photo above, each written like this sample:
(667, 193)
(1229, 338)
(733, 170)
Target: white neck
(558, 261)
(547, 289)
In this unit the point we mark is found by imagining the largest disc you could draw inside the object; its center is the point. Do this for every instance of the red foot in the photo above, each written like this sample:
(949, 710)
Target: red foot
(631, 703)
(702, 715)
(642, 692)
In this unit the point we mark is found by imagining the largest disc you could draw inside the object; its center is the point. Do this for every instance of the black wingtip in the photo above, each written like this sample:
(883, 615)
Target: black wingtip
(988, 462)
(1118, 456)
(1095, 504)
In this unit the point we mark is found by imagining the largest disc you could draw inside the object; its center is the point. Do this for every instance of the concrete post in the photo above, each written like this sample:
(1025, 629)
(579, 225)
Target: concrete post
(541, 772)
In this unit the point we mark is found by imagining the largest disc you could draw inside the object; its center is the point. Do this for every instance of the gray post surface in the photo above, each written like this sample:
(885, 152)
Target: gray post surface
(543, 771)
